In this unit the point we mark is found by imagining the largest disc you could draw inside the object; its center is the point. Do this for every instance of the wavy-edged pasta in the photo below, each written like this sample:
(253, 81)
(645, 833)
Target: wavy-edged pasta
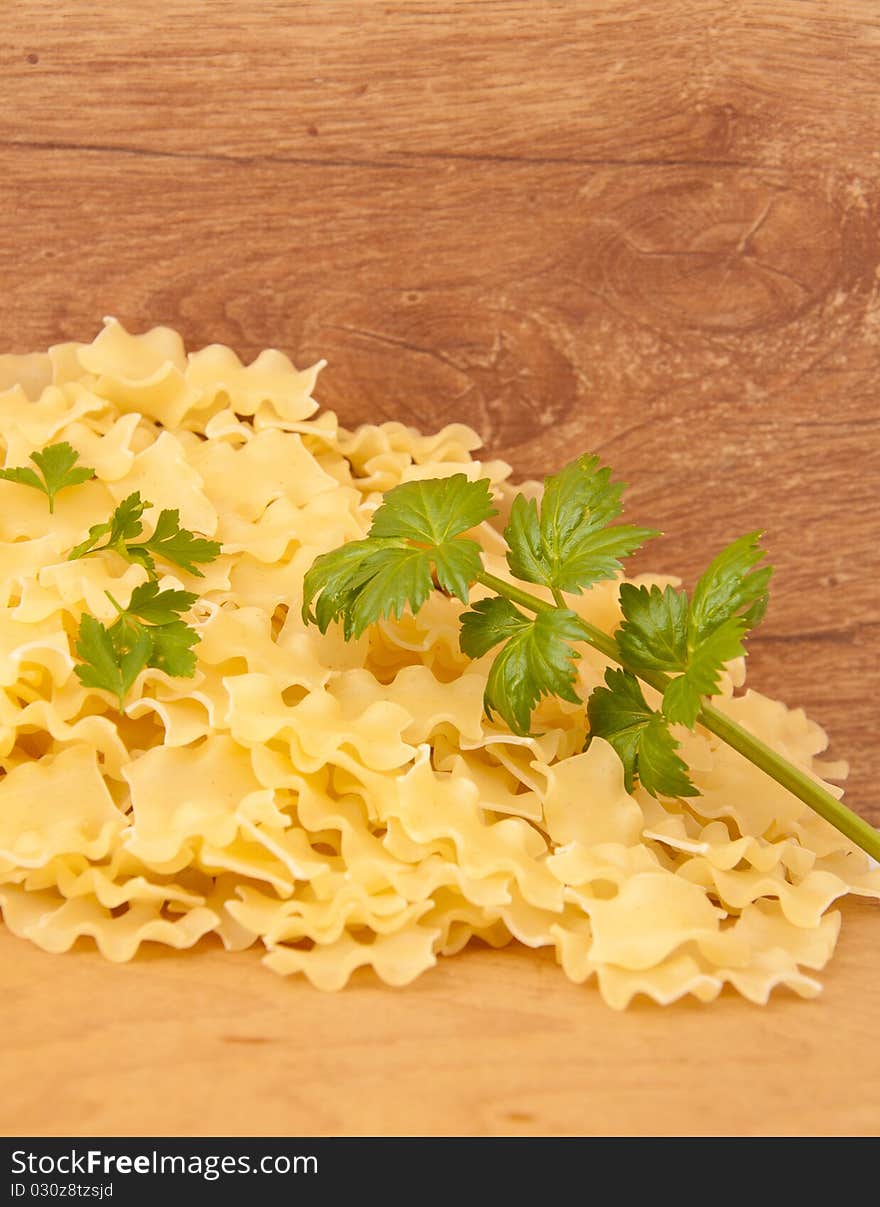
(346, 805)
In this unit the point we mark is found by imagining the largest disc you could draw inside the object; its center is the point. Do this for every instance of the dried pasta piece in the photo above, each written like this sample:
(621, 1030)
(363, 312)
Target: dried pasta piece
(56, 805)
(397, 958)
(271, 378)
(141, 373)
(606, 813)
(27, 425)
(665, 983)
(652, 915)
(434, 806)
(180, 794)
(55, 925)
(30, 372)
(343, 805)
(165, 476)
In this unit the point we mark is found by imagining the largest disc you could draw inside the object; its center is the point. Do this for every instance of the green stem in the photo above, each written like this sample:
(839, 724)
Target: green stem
(514, 594)
(798, 782)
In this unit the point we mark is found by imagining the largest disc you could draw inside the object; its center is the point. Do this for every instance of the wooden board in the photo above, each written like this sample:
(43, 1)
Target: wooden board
(648, 229)
(488, 1043)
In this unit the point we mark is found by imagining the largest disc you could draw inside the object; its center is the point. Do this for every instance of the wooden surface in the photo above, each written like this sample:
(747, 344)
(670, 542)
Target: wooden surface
(488, 1043)
(648, 229)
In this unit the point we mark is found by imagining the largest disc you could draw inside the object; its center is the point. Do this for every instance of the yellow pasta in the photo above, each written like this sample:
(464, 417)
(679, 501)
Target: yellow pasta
(347, 805)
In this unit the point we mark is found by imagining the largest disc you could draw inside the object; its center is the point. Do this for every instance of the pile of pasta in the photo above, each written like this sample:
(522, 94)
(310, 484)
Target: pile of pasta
(347, 804)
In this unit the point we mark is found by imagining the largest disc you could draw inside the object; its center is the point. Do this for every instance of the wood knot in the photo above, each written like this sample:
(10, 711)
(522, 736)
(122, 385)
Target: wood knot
(720, 255)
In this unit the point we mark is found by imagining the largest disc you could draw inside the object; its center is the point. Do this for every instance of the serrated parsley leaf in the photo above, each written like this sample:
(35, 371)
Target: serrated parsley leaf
(57, 464)
(661, 630)
(334, 579)
(433, 510)
(364, 581)
(414, 543)
(168, 542)
(620, 714)
(731, 586)
(682, 698)
(175, 545)
(654, 633)
(172, 650)
(566, 544)
(24, 476)
(582, 485)
(123, 526)
(526, 556)
(456, 564)
(149, 632)
(537, 660)
(661, 771)
(126, 523)
(159, 607)
(399, 574)
(112, 657)
(58, 470)
(487, 623)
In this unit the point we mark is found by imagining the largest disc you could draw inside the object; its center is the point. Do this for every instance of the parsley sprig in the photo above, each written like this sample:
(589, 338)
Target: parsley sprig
(663, 630)
(415, 540)
(168, 542)
(675, 643)
(640, 734)
(568, 543)
(58, 470)
(536, 659)
(148, 632)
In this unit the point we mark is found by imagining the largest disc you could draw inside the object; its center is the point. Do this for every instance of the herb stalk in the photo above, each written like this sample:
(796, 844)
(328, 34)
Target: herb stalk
(800, 783)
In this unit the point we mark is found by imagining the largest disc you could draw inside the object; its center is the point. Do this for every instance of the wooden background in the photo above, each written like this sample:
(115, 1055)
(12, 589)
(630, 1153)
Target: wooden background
(646, 229)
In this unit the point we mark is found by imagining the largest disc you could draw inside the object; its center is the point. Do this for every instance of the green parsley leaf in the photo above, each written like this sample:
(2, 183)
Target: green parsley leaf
(123, 526)
(159, 607)
(567, 544)
(112, 657)
(169, 541)
(433, 510)
(654, 634)
(399, 574)
(731, 586)
(417, 542)
(149, 632)
(661, 771)
(662, 631)
(525, 555)
(487, 623)
(414, 543)
(537, 659)
(24, 476)
(682, 698)
(57, 465)
(173, 544)
(172, 650)
(363, 581)
(334, 578)
(620, 714)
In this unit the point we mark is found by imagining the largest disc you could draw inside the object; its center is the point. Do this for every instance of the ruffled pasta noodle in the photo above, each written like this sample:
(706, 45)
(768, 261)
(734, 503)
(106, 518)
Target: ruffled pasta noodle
(347, 805)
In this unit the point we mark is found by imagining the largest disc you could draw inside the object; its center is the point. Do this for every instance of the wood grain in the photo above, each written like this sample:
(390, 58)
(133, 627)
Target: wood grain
(488, 1043)
(649, 229)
